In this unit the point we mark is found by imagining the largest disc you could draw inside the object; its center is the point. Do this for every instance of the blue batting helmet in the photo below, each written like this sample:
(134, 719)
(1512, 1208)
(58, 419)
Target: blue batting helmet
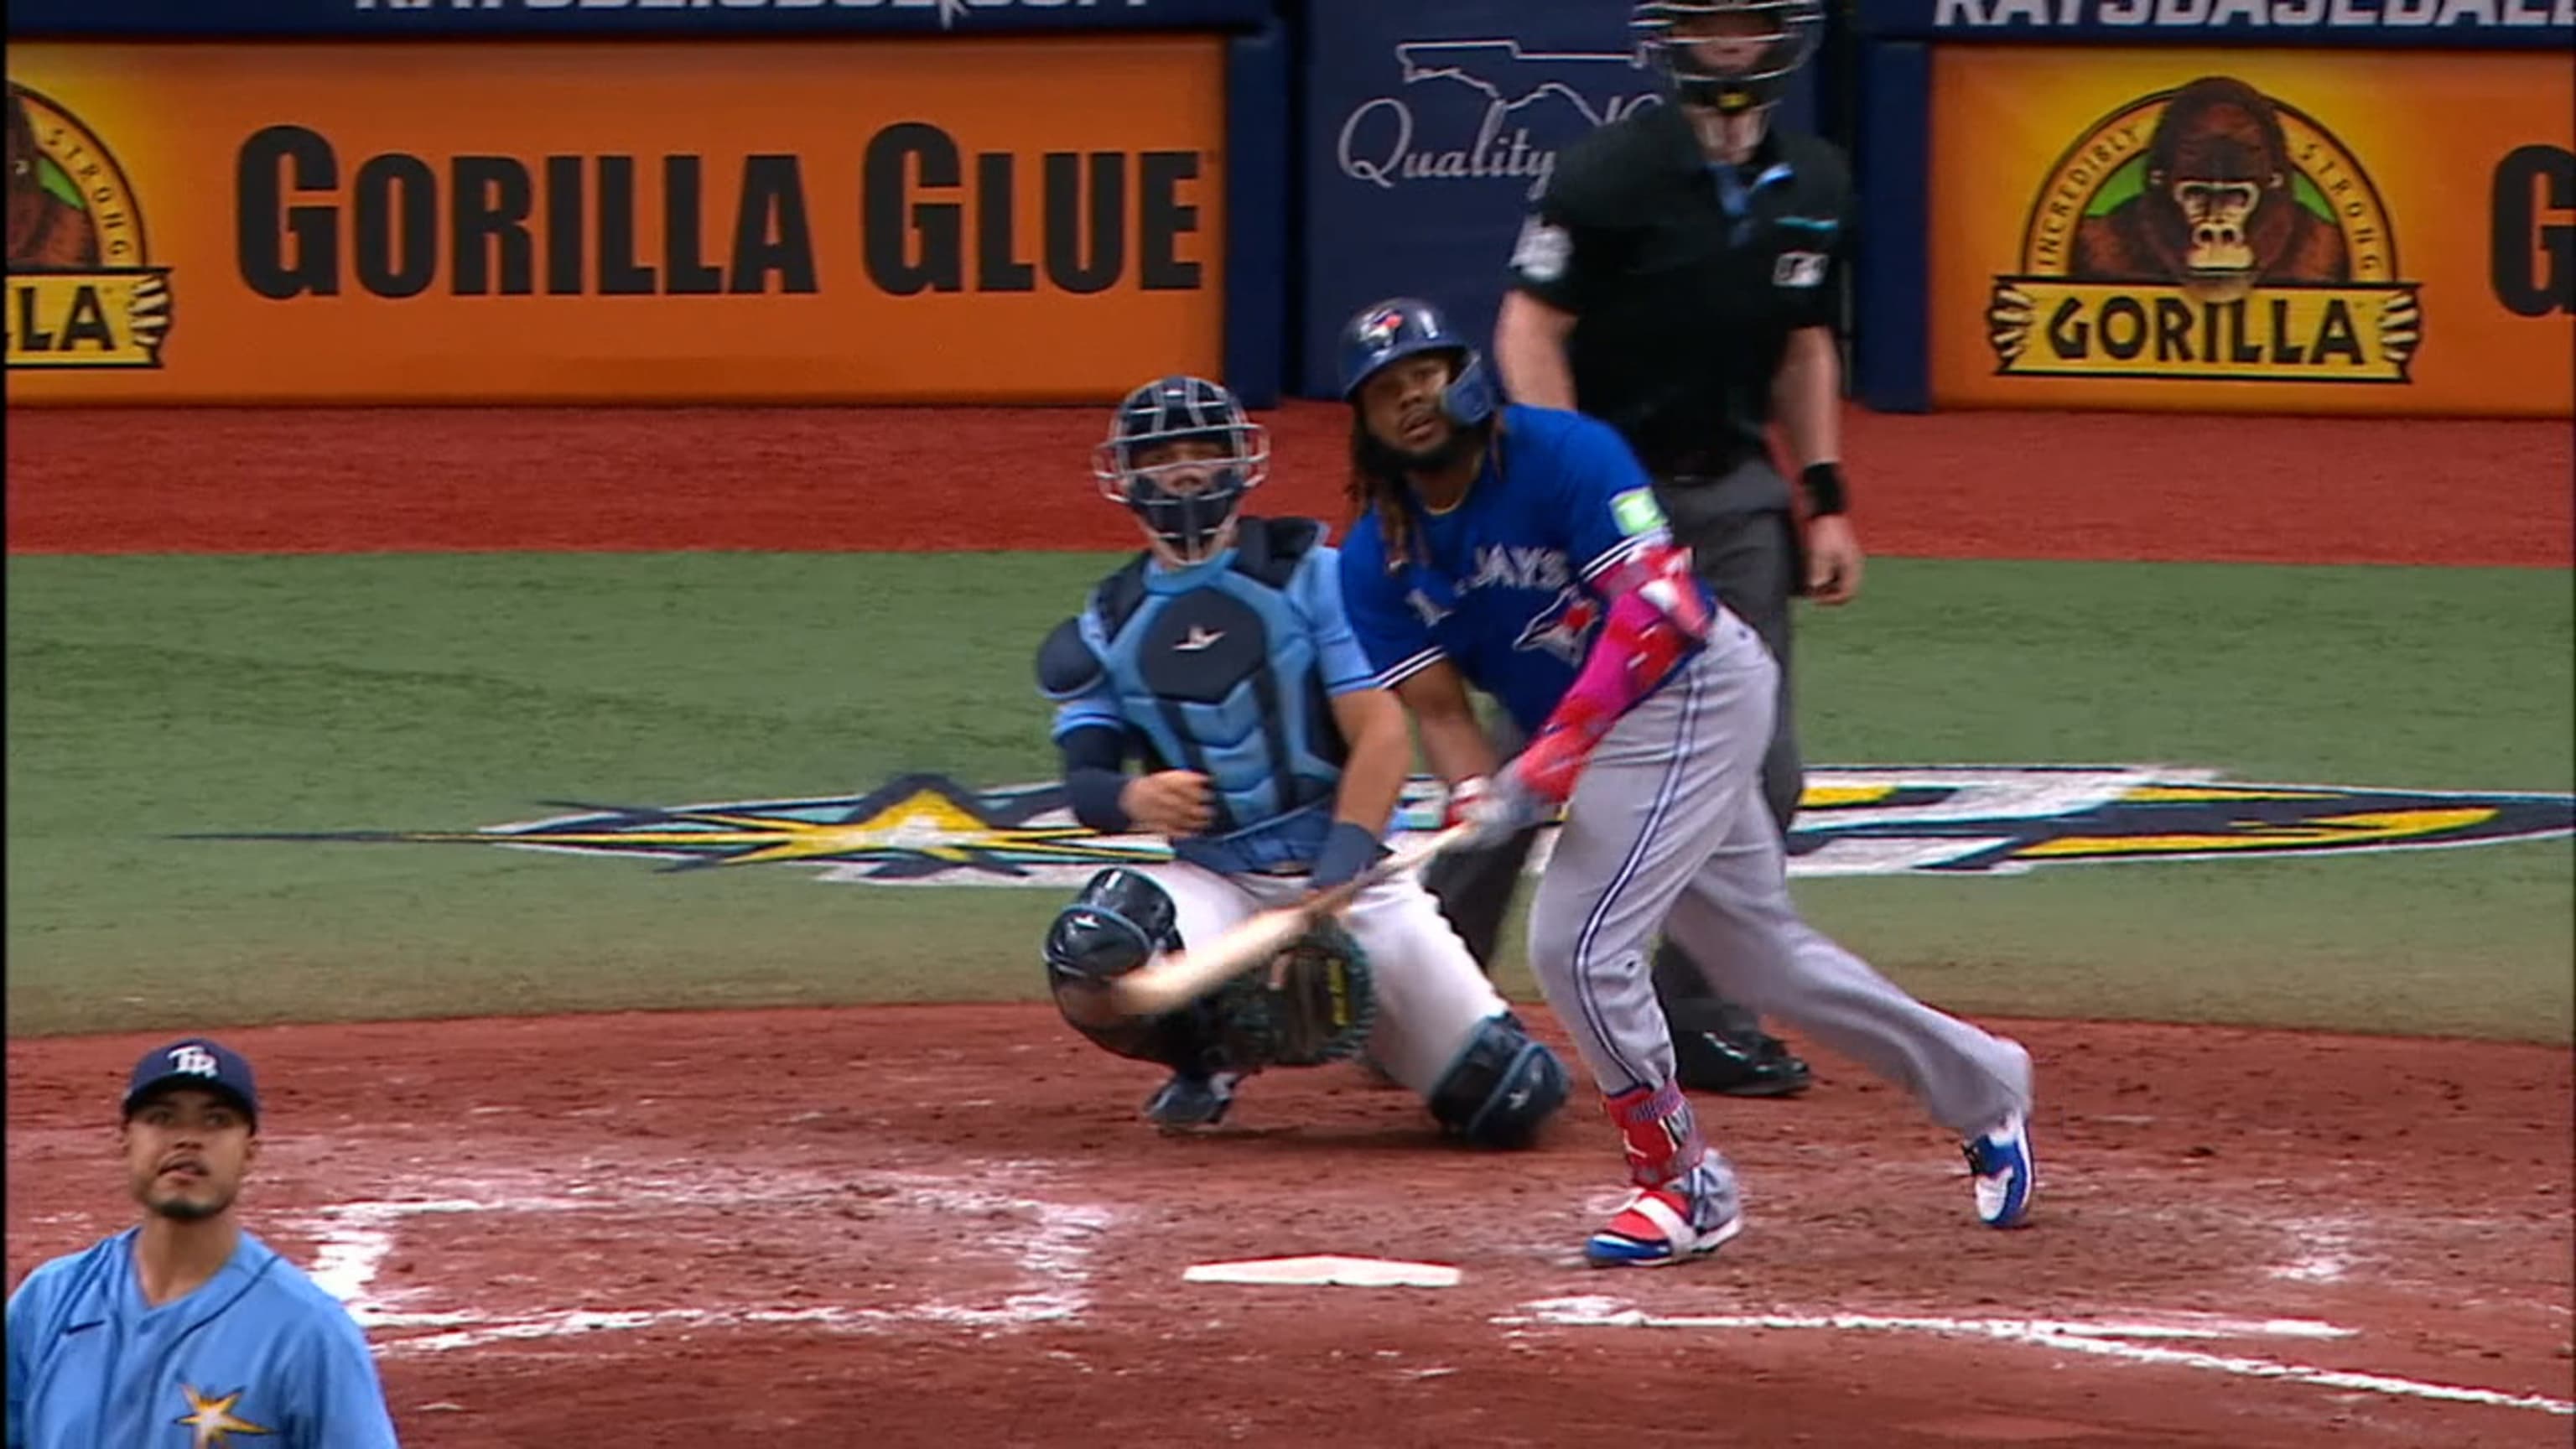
(1668, 31)
(1388, 332)
(1185, 502)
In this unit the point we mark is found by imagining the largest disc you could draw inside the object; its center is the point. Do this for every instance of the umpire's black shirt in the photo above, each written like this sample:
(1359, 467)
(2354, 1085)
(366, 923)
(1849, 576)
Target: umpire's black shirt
(1686, 280)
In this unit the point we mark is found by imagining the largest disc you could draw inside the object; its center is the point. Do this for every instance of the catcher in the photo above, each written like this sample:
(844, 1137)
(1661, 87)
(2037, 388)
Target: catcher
(1219, 657)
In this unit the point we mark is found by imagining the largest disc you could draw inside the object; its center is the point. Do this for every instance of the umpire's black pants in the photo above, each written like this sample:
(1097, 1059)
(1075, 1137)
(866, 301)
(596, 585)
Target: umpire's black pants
(1744, 542)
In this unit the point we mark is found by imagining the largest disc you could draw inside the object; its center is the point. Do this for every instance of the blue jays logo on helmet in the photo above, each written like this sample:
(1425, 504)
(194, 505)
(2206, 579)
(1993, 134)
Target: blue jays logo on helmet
(1380, 328)
(1385, 333)
(1186, 496)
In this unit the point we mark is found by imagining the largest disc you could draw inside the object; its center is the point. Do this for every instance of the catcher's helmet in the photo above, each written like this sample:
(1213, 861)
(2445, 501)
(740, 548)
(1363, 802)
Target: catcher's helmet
(1188, 519)
(1666, 31)
(1388, 332)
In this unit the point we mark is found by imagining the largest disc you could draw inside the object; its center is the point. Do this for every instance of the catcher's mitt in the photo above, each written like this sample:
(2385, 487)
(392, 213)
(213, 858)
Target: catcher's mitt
(1321, 1010)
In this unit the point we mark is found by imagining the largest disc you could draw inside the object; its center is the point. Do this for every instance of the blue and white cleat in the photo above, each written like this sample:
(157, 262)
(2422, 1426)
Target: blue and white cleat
(2000, 1159)
(1682, 1220)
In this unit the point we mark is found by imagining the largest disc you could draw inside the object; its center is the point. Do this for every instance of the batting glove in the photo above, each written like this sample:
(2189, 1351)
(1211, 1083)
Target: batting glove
(1494, 808)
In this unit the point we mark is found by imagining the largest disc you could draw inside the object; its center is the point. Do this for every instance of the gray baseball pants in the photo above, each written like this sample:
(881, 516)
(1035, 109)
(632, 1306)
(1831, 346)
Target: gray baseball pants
(1667, 829)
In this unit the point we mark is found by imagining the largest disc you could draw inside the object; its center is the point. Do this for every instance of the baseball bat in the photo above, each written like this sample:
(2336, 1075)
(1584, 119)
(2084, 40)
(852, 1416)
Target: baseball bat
(1174, 981)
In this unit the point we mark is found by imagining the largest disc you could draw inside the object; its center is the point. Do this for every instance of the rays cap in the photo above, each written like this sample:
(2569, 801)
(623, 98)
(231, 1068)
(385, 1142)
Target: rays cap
(197, 1062)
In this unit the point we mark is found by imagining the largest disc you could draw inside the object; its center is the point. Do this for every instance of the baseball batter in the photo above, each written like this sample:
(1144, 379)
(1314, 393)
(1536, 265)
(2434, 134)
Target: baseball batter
(187, 1332)
(1521, 550)
(1219, 657)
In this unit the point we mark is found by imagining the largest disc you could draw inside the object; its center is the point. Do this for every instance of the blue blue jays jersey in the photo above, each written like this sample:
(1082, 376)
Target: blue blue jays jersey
(1504, 584)
(1228, 668)
(257, 1355)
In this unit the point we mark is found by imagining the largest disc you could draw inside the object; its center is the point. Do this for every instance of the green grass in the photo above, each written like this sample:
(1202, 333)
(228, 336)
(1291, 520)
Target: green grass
(155, 697)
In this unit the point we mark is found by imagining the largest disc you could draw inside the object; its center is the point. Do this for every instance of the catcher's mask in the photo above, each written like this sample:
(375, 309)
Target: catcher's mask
(1730, 56)
(1181, 455)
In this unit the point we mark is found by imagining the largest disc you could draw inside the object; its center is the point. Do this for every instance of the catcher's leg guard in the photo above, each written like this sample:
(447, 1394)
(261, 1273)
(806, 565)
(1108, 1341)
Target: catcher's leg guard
(1502, 1087)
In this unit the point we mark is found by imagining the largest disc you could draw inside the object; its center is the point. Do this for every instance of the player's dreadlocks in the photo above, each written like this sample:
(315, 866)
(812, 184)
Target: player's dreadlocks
(1378, 481)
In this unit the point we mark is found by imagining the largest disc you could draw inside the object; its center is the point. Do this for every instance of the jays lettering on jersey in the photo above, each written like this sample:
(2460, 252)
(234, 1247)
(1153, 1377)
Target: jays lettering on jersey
(1227, 668)
(1504, 585)
(258, 1355)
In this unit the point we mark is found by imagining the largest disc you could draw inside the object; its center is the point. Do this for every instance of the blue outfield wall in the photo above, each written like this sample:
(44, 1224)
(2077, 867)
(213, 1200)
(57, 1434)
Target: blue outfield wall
(1426, 130)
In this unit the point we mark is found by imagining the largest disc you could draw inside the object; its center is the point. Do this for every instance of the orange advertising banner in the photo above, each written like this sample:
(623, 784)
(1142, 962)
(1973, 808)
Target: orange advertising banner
(1007, 220)
(2347, 231)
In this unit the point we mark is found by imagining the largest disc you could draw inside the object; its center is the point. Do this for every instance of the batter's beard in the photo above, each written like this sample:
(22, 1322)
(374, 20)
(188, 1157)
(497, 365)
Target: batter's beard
(1378, 457)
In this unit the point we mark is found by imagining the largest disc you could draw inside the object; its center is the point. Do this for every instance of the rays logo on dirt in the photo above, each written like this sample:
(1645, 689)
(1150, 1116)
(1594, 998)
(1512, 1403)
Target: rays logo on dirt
(2208, 231)
(1973, 820)
(1480, 110)
(82, 292)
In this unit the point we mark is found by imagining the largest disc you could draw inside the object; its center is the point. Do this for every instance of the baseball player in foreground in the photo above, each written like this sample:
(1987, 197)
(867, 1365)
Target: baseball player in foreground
(1521, 550)
(1681, 279)
(1219, 657)
(187, 1332)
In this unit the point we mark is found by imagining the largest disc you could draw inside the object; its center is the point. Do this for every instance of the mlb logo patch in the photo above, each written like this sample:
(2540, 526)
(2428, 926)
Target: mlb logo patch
(1542, 251)
(1798, 269)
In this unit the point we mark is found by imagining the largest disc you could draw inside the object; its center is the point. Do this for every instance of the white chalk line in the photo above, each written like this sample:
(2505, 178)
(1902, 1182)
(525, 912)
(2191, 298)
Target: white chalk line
(1049, 1242)
(2107, 1340)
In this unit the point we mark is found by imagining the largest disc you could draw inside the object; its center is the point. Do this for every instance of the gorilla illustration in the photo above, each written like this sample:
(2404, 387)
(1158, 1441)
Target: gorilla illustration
(2217, 213)
(46, 233)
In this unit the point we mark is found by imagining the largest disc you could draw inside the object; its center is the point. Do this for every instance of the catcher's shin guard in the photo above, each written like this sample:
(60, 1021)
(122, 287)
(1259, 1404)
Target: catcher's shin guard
(1503, 1087)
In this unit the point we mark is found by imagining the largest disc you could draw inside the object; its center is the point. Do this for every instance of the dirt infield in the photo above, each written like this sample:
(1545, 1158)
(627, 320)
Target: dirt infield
(944, 1225)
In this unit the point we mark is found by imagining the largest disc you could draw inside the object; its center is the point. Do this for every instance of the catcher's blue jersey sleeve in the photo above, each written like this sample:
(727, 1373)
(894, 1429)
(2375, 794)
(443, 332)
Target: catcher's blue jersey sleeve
(258, 1354)
(1095, 706)
(1317, 590)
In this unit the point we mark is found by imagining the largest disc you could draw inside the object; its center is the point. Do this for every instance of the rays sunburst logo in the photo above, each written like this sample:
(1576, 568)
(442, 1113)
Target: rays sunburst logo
(1941, 820)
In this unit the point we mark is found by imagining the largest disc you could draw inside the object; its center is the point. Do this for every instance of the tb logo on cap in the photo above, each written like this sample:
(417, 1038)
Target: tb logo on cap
(195, 1060)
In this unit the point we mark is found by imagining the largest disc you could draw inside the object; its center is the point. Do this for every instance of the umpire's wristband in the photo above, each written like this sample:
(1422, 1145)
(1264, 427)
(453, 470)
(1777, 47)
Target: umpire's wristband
(1824, 485)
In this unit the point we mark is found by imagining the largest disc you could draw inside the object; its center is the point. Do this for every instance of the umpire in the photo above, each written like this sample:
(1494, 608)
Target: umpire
(1679, 280)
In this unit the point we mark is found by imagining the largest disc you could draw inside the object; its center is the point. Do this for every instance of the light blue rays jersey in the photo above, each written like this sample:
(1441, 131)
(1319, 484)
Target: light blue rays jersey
(1505, 584)
(259, 1357)
(1228, 668)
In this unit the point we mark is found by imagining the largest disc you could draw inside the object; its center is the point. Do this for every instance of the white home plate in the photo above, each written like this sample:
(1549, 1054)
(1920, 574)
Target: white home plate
(1326, 1271)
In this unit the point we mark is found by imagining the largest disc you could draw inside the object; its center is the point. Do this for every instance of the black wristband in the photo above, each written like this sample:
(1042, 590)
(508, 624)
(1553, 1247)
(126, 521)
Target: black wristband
(1824, 484)
(1093, 794)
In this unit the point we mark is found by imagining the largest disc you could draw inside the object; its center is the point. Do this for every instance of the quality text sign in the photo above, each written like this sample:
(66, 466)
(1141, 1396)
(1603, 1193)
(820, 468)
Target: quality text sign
(1430, 129)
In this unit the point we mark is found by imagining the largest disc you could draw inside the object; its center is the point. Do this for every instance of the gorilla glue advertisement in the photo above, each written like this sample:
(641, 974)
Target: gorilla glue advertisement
(1022, 219)
(2250, 230)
